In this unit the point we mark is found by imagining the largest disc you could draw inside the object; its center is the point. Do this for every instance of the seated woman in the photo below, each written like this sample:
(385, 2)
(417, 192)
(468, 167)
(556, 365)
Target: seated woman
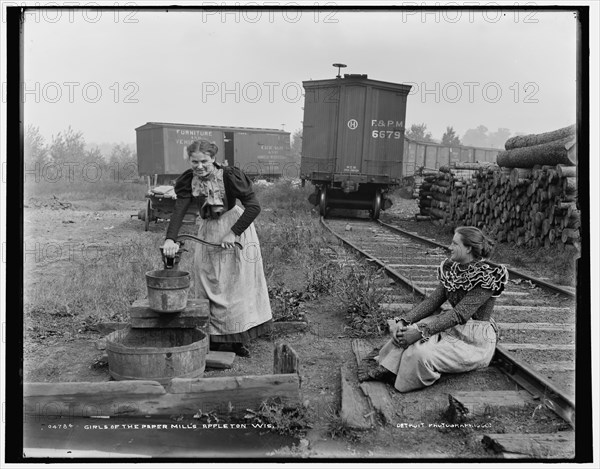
(424, 345)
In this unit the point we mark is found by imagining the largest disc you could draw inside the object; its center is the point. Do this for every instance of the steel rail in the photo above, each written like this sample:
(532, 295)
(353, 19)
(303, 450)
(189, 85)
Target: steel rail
(547, 285)
(392, 272)
(552, 397)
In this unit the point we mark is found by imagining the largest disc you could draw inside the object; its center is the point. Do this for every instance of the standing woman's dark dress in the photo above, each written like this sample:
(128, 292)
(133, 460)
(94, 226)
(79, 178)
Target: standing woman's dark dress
(231, 279)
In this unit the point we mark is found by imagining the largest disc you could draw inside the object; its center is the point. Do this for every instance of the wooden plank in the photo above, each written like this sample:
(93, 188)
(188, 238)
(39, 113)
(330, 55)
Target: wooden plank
(285, 360)
(230, 395)
(557, 445)
(244, 383)
(377, 392)
(355, 409)
(540, 347)
(196, 314)
(86, 399)
(361, 349)
(216, 359)
(196, 307)
(82, 388)
(380, 399)
(479, 402)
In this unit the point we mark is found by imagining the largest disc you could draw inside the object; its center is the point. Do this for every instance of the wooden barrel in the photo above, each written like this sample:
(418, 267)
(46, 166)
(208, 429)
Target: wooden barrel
(156, 354)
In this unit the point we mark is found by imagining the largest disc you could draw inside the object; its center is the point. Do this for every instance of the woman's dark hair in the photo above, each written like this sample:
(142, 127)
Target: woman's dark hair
(204, 146)
(481, 245)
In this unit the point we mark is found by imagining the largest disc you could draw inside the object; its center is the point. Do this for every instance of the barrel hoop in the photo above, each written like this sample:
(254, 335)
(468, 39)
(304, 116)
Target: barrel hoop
(168, 288)
(116, 347)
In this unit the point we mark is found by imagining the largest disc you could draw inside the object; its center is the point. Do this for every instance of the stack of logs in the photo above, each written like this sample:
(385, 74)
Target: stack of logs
(530, 206)
(418, 178)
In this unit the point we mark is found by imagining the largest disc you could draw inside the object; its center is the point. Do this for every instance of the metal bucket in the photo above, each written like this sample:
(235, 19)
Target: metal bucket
(156, 354)
(167, 290)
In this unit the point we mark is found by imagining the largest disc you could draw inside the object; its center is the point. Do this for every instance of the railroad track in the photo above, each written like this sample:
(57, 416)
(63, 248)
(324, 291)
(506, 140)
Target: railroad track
(536, 346)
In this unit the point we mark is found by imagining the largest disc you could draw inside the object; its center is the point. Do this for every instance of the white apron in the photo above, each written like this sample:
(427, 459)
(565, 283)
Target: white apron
(233, 280)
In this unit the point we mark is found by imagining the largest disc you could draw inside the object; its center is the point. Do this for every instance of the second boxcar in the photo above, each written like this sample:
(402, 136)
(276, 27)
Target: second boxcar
(161, 149)
(353, 139)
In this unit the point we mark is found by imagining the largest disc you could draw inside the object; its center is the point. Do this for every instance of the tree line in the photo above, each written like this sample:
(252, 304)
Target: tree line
(478, 137)
(69, 147)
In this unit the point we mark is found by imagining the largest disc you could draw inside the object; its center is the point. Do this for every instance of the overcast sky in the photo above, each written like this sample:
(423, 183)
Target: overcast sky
(106, 73)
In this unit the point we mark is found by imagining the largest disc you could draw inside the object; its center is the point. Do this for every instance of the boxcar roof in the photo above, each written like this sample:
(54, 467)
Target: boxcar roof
(150, 125)
(357, 79)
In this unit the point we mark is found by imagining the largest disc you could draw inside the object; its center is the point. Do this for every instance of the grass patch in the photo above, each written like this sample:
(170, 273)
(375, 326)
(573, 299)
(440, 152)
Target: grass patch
(289, 231)
(73, 190)
(97, 284)
(361, 298)
(337, 428)
(280, 418)
(286, 304)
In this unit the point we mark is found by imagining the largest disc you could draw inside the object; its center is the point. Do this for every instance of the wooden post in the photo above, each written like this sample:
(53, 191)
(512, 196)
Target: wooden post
(285, 360)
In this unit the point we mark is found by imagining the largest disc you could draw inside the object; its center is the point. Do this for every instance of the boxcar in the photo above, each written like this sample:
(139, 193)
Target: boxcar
(432, 155)
(352, 143)
(161, 149)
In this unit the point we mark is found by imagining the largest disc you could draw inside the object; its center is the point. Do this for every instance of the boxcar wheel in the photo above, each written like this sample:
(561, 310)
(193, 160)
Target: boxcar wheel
(148, 215)
(376, 210)
(323, 202)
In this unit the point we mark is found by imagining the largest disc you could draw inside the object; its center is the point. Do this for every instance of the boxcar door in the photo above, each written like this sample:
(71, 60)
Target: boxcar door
(319, 134)
(351, 127)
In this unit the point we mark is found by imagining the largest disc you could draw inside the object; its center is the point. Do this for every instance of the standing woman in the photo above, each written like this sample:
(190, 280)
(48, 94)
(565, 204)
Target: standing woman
(231, 279)
(424, 344)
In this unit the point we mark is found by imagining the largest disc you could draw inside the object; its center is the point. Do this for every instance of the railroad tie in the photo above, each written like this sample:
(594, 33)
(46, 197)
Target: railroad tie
(559, 445)
(535, 326)
(521, 308)
(467, 404)
(562, 366)
(514, 346)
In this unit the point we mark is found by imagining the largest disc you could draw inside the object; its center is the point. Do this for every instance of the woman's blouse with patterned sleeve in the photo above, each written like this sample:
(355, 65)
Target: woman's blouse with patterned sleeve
(471, 289)
(238, 186)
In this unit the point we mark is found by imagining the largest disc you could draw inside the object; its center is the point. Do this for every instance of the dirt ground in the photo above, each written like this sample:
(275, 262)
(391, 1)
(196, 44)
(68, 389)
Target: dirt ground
(66, 348)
